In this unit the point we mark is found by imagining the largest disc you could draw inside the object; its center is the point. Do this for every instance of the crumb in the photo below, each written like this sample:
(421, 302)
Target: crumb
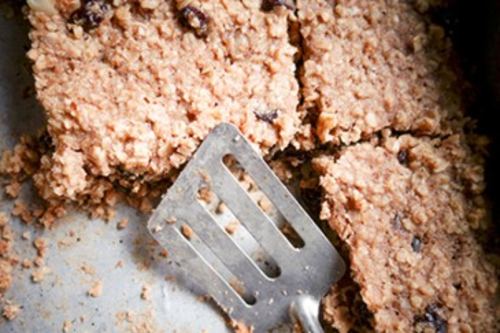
(221, 208)
(67, 325)
(163, 253)
(38, 275)
(171, 220)
(26, 264)
(87, 269)
(41, 246)
(38, 261)
(266, 205)
(66, 241)
(137, 322)
(232, 227)
(13, 189)
(205, 195)
(187, 231)
(206, 177)
(22, 211)
(122, 224)
(5, 275)
(119, 264)
(157, 228)
(146, 292)
(3, 219)
(203, 298)
(26, 235)
(11, 311)
(96, 289)
(238, 286)
(240, 327)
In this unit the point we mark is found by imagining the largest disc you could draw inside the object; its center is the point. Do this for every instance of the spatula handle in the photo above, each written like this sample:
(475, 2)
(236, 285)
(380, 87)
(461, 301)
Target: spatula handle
(305, 309)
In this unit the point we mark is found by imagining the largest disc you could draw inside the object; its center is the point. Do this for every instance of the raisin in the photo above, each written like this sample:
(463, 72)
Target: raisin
(431, 319)
(403, 157)
(416, 244)
(194, 19)
(90, 14)
(268, 117)
(269, 5)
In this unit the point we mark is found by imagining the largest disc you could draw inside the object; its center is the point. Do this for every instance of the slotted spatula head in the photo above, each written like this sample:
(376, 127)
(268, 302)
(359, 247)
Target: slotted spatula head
(306, 274)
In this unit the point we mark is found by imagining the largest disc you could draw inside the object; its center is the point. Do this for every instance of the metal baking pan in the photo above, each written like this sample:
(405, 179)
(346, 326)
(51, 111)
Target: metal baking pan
(78, 240)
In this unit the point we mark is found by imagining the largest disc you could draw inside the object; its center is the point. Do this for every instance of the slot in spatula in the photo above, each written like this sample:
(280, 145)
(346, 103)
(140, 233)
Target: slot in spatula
(306, 273)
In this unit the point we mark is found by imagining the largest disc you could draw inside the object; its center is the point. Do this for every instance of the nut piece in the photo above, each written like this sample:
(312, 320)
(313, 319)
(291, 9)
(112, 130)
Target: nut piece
(193, 18)
(45, 6)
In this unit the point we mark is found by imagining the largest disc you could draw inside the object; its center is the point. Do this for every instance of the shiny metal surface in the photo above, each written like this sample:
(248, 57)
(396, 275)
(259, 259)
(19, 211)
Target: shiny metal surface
(261, 301)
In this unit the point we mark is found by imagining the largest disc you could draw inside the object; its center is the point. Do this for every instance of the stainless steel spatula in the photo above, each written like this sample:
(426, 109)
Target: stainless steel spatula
(305, 274)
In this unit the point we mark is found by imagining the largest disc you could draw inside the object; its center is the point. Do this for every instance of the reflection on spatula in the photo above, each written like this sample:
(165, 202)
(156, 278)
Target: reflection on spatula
(259, 301)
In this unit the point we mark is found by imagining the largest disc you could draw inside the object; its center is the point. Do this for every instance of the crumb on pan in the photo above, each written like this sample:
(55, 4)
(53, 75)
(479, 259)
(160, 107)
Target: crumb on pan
(122, 224)
(232, 227)
(11, 311)
(39, 274)
(146, 292)
(67, 326)
(187, 231)
(96, 289)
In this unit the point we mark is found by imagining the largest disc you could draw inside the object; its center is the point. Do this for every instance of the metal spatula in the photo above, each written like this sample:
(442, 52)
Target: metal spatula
(306, 273)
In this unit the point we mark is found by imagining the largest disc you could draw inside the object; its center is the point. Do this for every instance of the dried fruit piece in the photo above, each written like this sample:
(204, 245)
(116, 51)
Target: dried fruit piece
(90, 14)
(431, 319)
(268, 117)
(193, 18)
(268, 5)
(403, 157)
(416, 244)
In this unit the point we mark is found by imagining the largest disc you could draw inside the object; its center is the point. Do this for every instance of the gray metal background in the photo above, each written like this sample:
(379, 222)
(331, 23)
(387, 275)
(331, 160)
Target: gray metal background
(62, 294)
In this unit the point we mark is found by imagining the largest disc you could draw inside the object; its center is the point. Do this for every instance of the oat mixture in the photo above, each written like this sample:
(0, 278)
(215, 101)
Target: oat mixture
(165, 73)
(370, 65)
(355, 101)
(407, 209)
